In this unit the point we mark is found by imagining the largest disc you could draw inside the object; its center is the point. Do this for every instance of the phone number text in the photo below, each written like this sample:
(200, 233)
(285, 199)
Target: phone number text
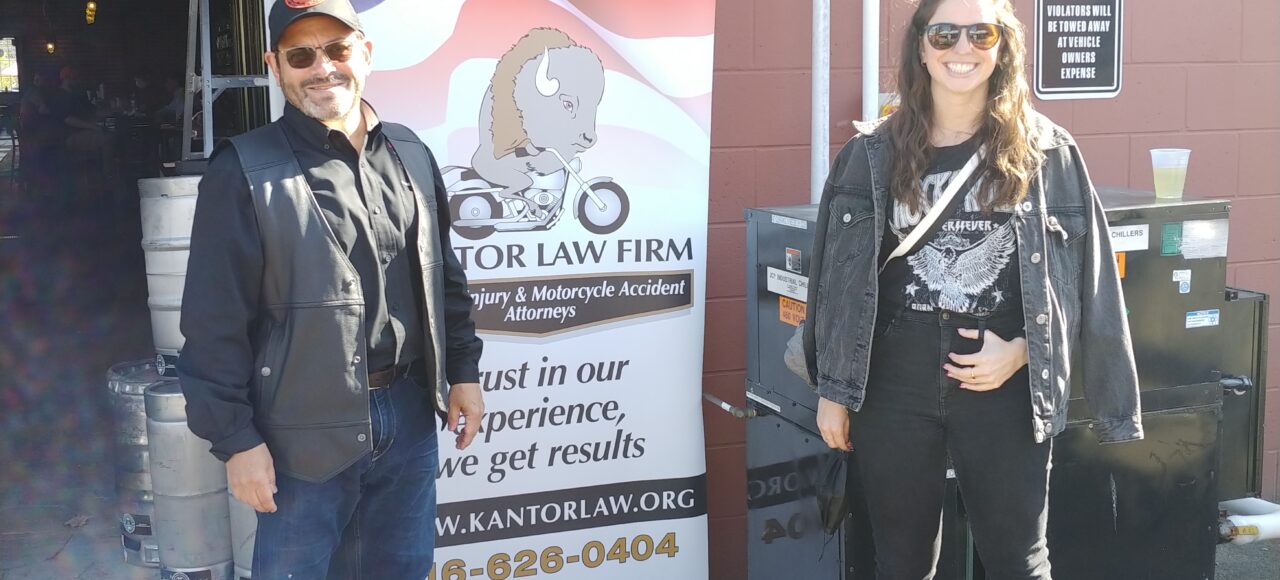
(552, 559)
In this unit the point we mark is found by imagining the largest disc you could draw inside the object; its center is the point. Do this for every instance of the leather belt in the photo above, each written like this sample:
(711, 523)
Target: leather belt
(383, 378)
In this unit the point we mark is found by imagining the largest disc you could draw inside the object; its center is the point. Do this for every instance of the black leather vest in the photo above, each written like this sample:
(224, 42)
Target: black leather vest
(310, 382)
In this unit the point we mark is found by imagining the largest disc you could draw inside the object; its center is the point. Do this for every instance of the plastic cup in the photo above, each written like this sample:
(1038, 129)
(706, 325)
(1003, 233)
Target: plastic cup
(1169, 166)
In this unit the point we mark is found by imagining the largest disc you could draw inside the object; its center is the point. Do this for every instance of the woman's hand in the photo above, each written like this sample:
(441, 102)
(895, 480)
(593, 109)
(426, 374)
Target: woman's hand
(833, 424)
(987, 369)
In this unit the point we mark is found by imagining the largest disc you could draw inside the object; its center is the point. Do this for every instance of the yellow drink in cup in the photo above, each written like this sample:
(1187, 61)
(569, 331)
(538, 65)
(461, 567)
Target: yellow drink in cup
(1169, 167)
(1169, 181)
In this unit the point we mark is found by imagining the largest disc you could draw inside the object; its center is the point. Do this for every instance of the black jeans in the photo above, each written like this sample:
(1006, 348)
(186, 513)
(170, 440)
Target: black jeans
(915, 417)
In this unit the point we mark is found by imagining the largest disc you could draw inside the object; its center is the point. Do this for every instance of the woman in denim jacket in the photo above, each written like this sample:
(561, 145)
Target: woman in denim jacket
(976, 328)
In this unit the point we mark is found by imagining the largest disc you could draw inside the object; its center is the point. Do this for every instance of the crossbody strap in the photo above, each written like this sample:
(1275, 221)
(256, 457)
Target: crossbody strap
(939, 207)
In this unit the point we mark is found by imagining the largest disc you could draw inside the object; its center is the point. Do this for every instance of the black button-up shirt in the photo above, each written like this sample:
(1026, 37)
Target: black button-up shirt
(366, 199)
(368, 202)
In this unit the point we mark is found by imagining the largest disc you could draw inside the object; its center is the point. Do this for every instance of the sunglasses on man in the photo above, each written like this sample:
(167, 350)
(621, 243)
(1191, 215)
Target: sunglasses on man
(301, 57)
(945, 35)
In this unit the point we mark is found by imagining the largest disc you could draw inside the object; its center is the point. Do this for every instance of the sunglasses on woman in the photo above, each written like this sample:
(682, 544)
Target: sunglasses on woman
(945, 35)
(304, 56)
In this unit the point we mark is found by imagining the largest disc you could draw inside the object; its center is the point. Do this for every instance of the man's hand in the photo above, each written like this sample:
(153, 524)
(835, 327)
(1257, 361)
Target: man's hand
(251, 475)
(465, 401)
(990, 367)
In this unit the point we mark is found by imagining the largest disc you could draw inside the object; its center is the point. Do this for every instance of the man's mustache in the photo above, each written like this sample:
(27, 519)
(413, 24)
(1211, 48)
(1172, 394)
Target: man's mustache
(335, 77)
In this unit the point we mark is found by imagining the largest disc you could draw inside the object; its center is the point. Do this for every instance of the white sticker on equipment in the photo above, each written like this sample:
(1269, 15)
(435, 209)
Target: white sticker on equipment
(788, 284)
(789, 222)
(1202, 318)
(1130, 238)
(1205, 238)
(1182, 275)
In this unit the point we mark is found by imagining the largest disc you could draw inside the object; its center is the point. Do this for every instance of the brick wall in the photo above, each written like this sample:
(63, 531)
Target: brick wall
(1203, 74)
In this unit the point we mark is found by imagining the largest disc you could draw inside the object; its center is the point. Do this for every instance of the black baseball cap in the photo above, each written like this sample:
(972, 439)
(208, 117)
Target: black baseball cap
(285, 12)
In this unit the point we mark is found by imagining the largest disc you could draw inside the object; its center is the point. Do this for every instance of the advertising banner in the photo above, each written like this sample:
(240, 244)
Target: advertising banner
(574, 140)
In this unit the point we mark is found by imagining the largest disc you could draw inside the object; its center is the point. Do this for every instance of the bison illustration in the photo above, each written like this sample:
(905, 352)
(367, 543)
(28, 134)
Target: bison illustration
(544, 94)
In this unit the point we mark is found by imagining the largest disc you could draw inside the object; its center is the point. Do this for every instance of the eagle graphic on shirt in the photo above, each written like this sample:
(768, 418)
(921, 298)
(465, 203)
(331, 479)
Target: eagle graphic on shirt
(959, 268)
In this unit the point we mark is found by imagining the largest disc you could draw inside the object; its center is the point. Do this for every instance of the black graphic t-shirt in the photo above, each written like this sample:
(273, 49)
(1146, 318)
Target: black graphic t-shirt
(969, 265)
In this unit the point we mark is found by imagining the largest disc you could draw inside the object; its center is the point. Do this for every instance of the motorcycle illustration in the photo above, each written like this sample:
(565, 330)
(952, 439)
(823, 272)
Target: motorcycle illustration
(477, 210)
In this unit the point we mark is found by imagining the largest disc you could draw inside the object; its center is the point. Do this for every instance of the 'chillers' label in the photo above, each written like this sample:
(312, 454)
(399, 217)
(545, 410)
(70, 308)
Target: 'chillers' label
(1130, 238)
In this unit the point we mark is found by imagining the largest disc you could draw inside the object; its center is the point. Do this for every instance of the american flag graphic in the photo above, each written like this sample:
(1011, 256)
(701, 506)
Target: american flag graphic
(432, 63)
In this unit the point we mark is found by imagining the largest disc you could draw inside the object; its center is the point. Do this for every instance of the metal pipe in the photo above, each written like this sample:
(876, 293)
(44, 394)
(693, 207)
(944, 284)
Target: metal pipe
(820, 123)
(1250, 529)
(1250, 520)
(193, 20)
(870, 60)
(739, 412)
(206, 67)
(275, 97)
(241, 56)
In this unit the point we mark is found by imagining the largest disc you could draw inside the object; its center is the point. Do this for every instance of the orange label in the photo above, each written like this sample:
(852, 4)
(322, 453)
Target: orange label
(1120, 263)
(791, 311)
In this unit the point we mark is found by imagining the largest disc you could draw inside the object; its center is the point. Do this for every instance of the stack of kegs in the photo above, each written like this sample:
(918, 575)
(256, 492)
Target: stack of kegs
(175, 510)
(168, 209)
(126, 384)
(193, 519)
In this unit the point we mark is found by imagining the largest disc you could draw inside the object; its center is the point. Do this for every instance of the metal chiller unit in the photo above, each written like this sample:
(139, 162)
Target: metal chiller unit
(1146, 509)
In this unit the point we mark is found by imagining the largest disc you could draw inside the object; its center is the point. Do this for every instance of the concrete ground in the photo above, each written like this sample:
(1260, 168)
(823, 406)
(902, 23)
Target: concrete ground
(72, 303)
(1249, 562)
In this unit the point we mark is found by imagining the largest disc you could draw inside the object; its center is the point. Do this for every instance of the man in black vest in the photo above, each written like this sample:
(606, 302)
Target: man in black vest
(326, 317)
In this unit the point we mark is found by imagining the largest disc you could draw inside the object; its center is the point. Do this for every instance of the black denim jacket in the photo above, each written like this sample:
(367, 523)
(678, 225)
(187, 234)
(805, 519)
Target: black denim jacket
(1072, 304)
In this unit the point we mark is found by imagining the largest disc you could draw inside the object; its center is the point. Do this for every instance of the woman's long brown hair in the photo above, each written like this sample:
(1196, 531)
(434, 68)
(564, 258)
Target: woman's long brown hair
(1012, 155)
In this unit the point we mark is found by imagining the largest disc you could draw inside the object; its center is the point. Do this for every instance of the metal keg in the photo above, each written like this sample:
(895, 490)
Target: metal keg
(126, 384)
(168, 206)
(244, 530)
(168, 210)
(192, 523)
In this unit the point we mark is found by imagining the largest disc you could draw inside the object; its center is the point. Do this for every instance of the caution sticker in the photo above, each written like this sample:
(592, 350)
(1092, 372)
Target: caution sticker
(1120, 263)
(791, 311)
(793, 260)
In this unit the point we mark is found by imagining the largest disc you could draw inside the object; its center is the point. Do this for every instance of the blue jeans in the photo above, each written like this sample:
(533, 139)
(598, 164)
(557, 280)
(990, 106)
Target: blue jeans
(375, 519)
(915, 417)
